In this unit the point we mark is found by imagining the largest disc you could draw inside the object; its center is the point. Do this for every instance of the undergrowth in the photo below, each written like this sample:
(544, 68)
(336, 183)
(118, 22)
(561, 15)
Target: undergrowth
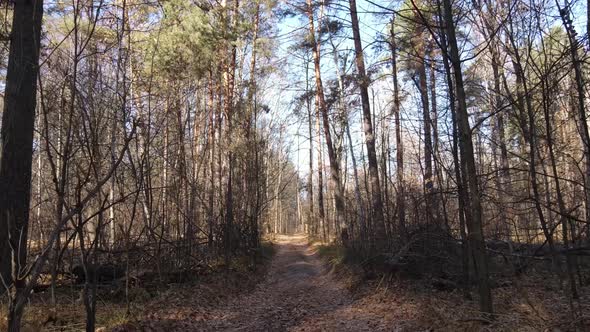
(69, 314)
(520, 304)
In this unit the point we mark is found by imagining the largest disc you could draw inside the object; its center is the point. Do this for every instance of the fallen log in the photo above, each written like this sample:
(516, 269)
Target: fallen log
(98, 273)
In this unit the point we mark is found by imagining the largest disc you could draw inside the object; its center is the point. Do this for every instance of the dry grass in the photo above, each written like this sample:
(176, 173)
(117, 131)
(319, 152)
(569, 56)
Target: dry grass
(537, 304)
(69, 314)
(66, 316)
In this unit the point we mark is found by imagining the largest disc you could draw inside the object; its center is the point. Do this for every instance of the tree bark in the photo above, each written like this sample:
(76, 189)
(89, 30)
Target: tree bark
(311, 220)
(581, 104)
(459, 168)
(474, 224)
(323, 110)
(376, 198)
(427, 132)
(18, 120)
(400, 197)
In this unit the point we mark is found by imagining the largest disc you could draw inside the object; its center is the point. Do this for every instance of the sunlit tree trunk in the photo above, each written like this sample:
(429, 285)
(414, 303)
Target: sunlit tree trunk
(400, 197)
(321, 221)
(422, 85)
(230, 77)
(376, 196)
(312, 218)
(323, 110)
(344, 115)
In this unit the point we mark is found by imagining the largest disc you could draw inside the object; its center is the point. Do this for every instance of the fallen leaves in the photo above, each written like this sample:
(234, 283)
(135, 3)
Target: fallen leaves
(301, 293)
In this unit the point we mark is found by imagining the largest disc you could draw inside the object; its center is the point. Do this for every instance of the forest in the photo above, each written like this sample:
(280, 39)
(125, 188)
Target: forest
(294, 165)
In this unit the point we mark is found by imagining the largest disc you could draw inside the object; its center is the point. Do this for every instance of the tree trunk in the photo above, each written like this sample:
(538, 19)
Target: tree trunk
(344, 117)
(459, 168)
(311, 220)
(18, 120)
(376, 199)
(321, 211)
(428, 178)
(563, 219)
(400, 197)
(230, 76)
(211, 193)
(323, 110)
(524, 104)
(474, 224)
(580, 94)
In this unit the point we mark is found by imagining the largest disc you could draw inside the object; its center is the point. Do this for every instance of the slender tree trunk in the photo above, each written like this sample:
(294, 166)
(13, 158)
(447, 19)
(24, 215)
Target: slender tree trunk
(344, 116)
(251, 139)
(321, 211)
(164, 213)
(504, 178)
(436, 194)
(459, 168)
(38, 194)
(323, 110)
(357, 190)
(560, 201)
(524, 104)
(385, 156)
(581, 103)
(376, 198)
(427, 132)
(474, 224)
(211, 193)
(122, 64)
(277, 221)
(400, 198)
(230, 76)
(311, 220)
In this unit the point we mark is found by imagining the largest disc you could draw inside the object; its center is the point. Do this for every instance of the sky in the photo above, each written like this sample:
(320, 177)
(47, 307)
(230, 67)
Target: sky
(289, 81)
(293, 80)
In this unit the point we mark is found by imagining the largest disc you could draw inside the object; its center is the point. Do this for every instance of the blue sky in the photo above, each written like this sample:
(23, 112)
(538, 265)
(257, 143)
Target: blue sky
(289, 80)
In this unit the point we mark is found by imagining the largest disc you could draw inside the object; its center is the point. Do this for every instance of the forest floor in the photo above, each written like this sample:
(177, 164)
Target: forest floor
(304, 291)
(299, 293)
(305, 288)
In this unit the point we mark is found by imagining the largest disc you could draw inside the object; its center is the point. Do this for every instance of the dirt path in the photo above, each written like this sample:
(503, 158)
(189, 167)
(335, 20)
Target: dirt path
(298, 294)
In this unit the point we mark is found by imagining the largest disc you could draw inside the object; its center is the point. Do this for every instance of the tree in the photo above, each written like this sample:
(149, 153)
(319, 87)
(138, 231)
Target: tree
(474, 224)
(401, 203)
(323, 111)
(376, 198)
(18, 120)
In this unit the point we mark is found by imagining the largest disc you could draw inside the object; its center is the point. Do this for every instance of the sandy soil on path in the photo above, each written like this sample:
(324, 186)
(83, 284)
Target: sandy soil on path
(299, 294)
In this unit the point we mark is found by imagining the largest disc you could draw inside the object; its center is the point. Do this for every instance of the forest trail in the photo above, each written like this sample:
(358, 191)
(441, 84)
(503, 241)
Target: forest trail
(299, 293)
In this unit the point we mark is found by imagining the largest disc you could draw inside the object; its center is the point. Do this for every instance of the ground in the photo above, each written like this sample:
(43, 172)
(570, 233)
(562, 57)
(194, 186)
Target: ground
(299, 294)
(301, 290)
